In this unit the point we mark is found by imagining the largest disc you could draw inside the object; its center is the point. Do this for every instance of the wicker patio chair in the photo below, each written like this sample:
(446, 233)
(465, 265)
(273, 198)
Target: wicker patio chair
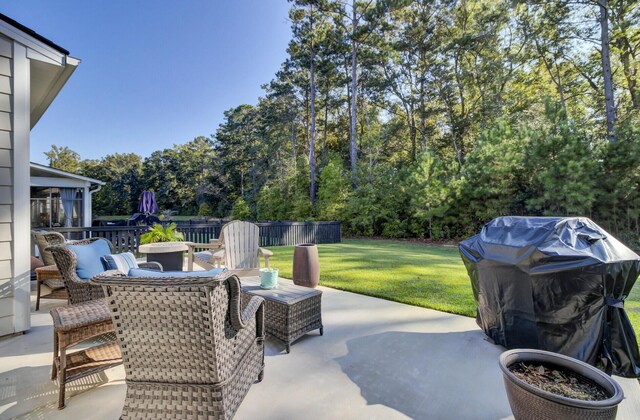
(43, 240)
(189, 349)
(81, 290)
(240, 250)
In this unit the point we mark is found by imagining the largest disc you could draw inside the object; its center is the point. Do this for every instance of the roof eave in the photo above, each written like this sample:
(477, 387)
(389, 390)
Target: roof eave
(41, 50)
(66, 174)
(54, 89)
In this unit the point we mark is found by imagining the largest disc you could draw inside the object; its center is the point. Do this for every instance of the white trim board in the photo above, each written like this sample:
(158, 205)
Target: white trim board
(28, 41)
(38, 181)
(63, 174)
(21, 197)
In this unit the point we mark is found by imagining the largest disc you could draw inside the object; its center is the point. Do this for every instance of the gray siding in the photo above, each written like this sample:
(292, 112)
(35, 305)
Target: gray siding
(6, 189)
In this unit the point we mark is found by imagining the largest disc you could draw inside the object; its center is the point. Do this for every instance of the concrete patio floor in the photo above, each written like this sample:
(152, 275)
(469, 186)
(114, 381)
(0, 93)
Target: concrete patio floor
(377, 359)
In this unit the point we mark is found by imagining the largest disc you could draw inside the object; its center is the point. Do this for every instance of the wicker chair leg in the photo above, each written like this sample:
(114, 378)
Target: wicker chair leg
(261, 375)
(54, 368)
(62, 377)
(38, 283)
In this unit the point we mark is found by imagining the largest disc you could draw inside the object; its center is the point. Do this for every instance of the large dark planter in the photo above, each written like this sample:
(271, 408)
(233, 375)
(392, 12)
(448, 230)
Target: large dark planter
(306, 265)
(529, 402)
(169, 254)
(170, 261)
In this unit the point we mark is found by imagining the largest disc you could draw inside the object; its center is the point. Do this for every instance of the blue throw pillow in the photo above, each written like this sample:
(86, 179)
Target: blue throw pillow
(121, 262)
(89, 258)
(141, 272)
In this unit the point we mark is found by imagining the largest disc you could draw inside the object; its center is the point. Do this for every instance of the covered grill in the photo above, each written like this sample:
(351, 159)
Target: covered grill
(555, 284)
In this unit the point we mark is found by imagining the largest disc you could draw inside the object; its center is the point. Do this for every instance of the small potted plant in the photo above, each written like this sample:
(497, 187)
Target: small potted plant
(269, 278)
(542, 384)
(163, 244)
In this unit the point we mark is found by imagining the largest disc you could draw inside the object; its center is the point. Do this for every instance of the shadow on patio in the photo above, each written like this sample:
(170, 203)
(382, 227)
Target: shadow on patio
(28, 388)
(426, 375)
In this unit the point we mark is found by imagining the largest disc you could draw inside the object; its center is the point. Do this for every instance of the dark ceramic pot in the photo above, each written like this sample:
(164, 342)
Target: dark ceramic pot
(306, 265)
(170, 261)
(529, 402)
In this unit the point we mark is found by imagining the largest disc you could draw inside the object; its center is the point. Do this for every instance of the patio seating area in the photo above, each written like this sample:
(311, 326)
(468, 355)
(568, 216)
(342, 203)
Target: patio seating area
(460, 118)
(376, 359)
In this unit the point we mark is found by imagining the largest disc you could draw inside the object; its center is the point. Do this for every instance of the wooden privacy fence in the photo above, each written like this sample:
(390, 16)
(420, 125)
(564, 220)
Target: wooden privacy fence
(294, 233)
(123, 238)
(127, 238)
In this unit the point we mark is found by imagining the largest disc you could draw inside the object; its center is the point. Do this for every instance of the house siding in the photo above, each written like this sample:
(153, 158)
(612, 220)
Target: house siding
(6, 190)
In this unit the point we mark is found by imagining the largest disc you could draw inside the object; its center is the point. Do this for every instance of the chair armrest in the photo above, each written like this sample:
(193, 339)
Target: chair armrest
(265, 252)
(218, 255)
(240, 317)
(214, 245)
(254, 308)
(152, 265)
(193, 245)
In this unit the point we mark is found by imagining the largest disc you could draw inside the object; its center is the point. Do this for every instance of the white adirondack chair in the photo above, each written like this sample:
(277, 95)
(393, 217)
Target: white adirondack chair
(240, 250)
(203, 258)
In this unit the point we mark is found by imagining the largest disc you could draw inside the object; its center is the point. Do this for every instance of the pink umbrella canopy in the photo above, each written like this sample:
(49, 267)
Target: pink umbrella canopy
(148, 203)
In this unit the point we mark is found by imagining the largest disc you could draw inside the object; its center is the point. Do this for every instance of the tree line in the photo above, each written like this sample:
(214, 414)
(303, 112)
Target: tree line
(420, 119)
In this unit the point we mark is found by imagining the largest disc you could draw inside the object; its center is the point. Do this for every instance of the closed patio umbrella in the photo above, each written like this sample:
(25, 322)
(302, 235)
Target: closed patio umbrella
(148, 203)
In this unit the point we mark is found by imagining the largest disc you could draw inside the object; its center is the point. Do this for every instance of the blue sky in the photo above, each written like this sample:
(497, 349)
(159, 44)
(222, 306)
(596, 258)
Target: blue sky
(153, 73)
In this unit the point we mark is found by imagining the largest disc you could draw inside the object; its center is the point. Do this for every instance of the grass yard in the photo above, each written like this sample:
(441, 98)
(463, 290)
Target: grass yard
(418, 274)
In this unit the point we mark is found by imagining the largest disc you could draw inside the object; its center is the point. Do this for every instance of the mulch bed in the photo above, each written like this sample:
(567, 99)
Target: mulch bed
(559, 381)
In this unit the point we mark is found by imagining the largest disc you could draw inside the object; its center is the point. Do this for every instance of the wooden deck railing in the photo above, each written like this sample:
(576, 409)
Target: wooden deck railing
(127, 238)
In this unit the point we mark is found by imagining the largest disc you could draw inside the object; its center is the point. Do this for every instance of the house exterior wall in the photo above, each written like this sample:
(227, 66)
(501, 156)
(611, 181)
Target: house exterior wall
(14, 180)
(6, 189)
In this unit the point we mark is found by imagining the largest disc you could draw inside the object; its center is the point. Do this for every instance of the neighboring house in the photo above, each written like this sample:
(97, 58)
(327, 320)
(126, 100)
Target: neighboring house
(60, 198)
(33, 70)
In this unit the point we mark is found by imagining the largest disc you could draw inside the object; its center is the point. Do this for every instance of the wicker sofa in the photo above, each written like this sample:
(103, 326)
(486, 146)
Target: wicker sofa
(81, 290)
(189, 349)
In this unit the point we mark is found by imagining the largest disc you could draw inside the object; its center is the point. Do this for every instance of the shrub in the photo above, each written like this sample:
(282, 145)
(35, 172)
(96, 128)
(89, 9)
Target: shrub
(241, 210)
(205, 210)
(159, 233)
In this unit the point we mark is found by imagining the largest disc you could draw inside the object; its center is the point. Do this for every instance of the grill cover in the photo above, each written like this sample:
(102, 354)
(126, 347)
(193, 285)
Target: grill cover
(555, 284)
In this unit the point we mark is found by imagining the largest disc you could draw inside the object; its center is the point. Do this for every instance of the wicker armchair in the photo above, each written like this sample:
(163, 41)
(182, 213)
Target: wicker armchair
(81, 290)
(189, 349)
(45, 239)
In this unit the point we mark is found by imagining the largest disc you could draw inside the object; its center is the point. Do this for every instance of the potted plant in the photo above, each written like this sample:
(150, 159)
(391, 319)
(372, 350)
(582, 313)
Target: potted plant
(536, 379)
(163, 244)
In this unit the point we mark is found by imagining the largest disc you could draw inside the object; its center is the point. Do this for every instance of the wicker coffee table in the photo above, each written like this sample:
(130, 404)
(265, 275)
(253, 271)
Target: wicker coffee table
(290, 311)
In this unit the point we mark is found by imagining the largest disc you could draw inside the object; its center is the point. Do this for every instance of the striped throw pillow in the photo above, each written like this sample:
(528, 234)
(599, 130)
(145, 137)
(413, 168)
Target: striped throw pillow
(121, 262)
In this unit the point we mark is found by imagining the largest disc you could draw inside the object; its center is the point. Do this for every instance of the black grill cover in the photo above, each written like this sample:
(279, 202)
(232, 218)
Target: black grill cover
(555, 284)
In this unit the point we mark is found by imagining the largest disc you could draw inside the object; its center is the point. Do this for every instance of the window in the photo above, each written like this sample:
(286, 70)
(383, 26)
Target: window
(48, 207)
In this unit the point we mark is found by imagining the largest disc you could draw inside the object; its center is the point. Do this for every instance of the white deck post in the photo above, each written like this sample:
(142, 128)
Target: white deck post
(21, 189)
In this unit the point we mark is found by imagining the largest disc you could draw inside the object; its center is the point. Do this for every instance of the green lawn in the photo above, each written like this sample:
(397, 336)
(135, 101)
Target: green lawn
(417, 274)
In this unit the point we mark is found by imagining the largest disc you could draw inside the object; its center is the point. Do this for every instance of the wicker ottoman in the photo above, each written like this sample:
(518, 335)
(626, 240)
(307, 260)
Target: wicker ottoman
(290, 311)
(72, 325)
